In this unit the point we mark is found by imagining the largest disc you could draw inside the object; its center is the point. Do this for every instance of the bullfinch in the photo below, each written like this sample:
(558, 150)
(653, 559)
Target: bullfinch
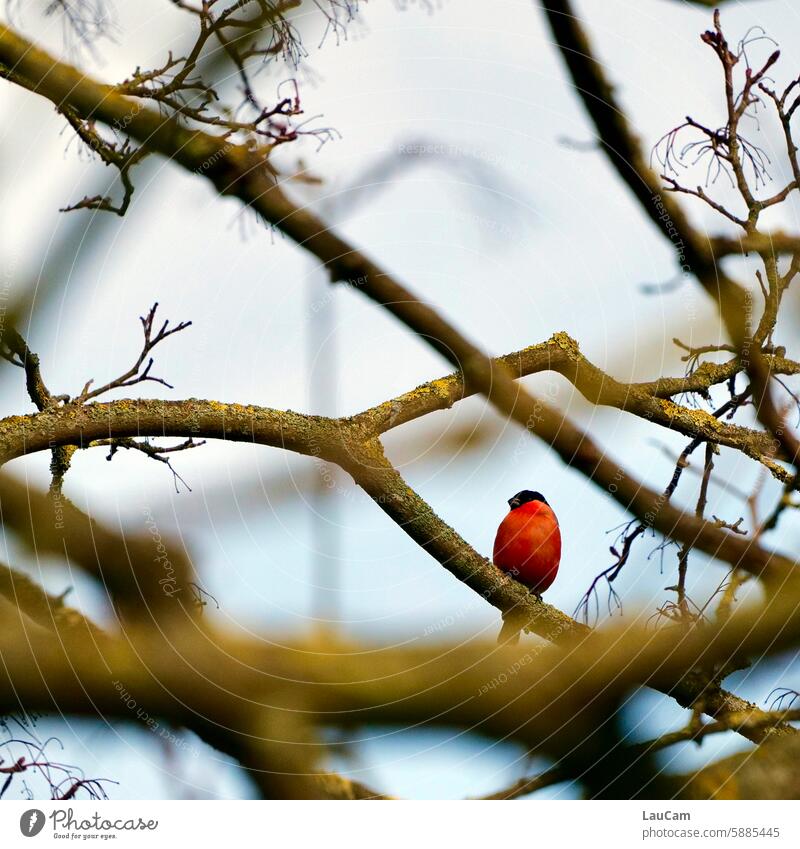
(527, 547)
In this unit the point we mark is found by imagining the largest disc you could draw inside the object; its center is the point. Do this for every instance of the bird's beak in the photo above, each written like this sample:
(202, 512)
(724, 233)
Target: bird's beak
(513, 503)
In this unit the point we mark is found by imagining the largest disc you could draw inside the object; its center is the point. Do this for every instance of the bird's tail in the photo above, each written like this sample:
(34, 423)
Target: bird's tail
(511, 629)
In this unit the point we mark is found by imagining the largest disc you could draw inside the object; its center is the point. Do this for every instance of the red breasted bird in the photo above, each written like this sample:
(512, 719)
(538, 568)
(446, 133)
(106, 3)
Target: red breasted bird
(527, 547)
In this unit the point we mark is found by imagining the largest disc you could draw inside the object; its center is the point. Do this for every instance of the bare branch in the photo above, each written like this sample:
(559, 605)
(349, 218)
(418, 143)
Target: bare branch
(136, 374)
(154, 452)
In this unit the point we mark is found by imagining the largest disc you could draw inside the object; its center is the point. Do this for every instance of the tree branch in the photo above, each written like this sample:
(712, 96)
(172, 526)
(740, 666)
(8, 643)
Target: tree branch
(235, 694)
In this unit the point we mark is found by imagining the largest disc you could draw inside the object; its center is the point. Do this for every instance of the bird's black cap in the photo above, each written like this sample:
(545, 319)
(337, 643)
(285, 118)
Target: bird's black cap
(524, 497)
